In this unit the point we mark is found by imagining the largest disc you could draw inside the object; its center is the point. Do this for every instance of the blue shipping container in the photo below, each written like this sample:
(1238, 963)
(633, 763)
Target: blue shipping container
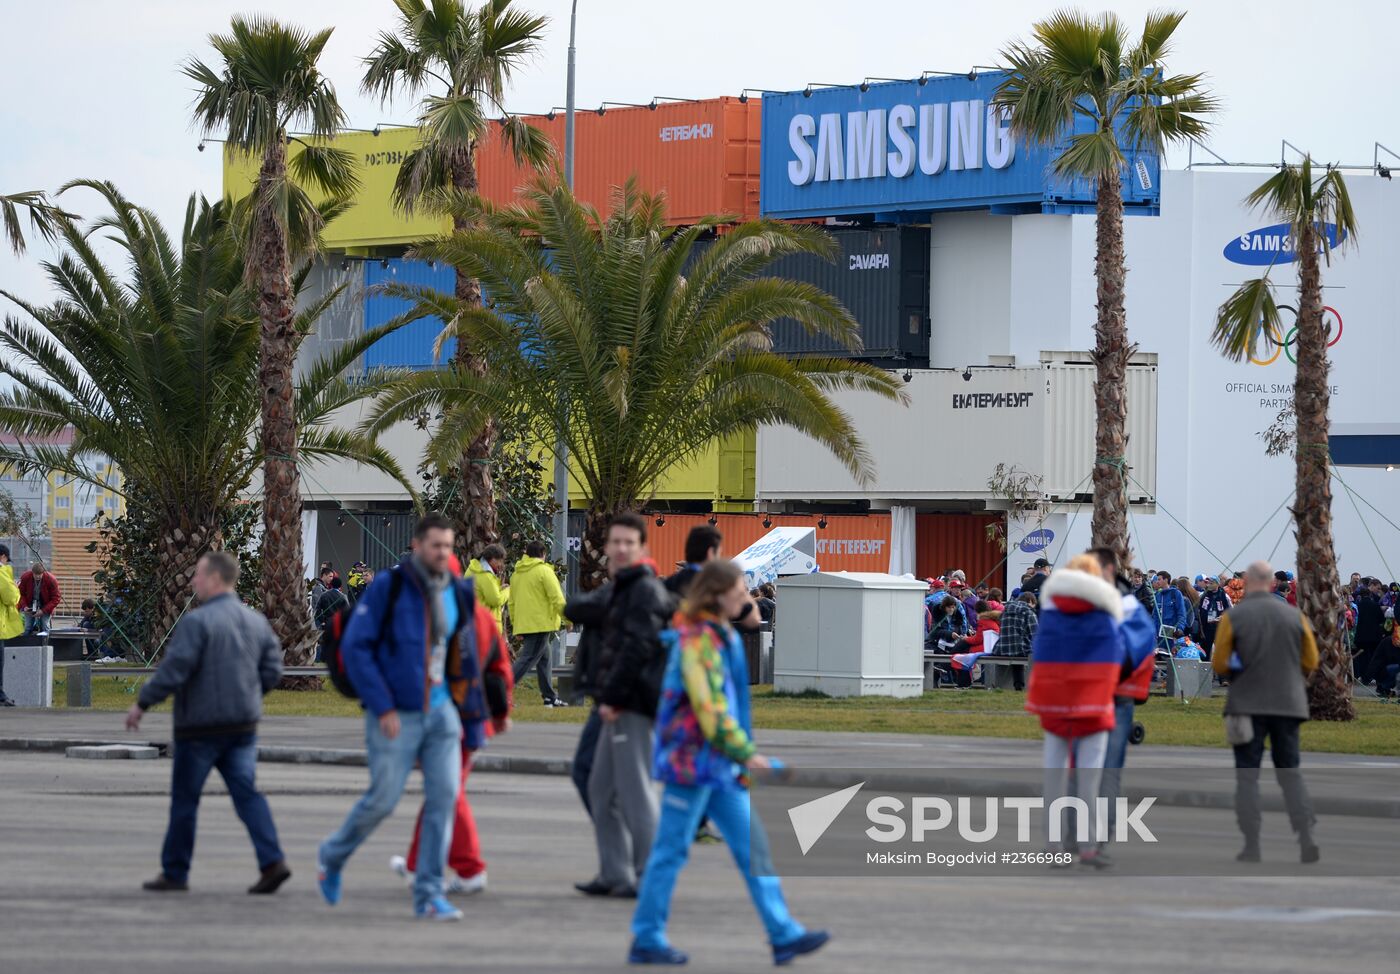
(902, 148)
(412, 345)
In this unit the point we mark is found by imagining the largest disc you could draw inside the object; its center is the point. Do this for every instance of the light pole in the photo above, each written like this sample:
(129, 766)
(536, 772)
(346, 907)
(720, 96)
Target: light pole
(561, 451)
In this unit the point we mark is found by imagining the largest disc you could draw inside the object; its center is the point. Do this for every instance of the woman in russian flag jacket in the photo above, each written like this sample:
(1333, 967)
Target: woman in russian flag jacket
(1077, 662)
(704, 752)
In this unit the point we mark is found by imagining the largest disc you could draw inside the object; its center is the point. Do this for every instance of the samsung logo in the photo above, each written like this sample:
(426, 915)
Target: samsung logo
(1272, 245)
(881, 142)
(991, 400)
(870, 262)
(1037, 540)
(684, 133)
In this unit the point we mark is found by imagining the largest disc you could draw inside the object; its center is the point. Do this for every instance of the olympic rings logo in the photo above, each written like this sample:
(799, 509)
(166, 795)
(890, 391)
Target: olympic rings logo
(1283, 344)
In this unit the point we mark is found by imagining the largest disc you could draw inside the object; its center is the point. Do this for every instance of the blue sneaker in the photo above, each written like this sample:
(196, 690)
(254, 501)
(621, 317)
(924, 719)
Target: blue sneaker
(329, 883)
(655, 955)
(810, 941)
(438, 909)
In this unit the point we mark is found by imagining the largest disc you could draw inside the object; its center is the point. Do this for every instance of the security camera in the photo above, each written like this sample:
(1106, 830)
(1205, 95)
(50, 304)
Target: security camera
(967, 374)
(374, 131)
(200, 147)
(908, 376)
(865, 86)
(807, 92)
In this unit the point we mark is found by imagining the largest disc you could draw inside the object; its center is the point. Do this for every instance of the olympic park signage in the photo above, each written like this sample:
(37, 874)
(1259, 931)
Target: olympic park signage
(912, 146)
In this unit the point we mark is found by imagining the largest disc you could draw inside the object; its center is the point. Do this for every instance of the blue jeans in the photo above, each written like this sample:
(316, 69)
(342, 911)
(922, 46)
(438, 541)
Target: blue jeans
(682, 809)
(433, 740)
(236, 757)
(582, 767)
(36, 621)
(1124, 709)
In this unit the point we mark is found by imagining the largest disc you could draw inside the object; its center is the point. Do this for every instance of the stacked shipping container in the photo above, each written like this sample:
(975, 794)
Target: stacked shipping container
(702, 154)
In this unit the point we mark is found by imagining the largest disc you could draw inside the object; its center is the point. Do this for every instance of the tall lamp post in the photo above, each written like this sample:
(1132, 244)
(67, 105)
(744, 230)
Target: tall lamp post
(561, 451)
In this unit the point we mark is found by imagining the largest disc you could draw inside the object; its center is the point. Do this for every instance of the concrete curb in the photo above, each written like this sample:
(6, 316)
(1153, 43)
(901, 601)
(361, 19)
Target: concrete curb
(890, 779)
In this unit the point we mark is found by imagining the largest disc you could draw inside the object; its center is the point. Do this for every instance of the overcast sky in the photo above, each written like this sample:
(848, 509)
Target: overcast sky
(91, 88)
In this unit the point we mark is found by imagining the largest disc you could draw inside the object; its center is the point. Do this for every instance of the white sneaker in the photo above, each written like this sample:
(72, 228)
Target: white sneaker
(466, 887)
(398, 865)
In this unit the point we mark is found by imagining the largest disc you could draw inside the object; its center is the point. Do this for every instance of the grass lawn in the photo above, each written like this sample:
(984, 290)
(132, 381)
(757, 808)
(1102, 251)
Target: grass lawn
(974, 713)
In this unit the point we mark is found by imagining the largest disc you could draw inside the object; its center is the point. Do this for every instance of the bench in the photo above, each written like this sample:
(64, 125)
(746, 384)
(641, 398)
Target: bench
(996, 670)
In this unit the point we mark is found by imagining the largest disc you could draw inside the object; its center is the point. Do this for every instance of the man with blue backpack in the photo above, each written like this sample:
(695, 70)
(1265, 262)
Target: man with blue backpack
(408, 652)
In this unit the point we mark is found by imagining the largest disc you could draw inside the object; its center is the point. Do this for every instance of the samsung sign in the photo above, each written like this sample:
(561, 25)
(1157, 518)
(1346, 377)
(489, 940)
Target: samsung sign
(879, 142)
(912, 148)
(1271, 245)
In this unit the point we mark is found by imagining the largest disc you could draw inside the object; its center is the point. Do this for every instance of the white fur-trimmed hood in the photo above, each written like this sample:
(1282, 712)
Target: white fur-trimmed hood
(1070, 583)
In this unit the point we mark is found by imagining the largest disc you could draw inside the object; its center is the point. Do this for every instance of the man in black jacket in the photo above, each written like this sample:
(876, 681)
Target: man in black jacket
(624, 672)
(1370, 627)
(222, 658)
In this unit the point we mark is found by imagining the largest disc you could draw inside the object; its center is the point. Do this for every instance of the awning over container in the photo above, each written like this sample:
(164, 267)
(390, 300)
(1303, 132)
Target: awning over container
(782, 551)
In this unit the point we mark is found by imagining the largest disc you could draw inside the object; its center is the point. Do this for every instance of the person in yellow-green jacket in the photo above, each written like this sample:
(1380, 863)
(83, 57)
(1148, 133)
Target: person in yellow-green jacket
(485, 573)
(11, 622)
(536, 612)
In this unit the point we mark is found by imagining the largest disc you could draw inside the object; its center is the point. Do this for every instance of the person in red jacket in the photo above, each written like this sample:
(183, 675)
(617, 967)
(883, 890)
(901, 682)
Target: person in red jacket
(38, 598)
(464, 855)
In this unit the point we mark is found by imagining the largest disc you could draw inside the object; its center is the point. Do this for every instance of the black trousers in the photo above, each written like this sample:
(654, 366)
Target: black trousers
(1282, 736)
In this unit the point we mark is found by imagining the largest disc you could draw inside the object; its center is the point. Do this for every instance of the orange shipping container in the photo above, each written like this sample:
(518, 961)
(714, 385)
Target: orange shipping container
(702, 154)
(848, 543)
(944, 542)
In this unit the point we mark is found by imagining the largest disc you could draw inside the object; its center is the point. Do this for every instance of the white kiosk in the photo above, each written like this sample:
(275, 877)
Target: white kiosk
(850, 635)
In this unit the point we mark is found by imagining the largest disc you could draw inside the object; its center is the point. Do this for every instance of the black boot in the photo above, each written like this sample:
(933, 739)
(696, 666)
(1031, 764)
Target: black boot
(1250, 852)
(272, 877)
(164, 884)
(1308, 850)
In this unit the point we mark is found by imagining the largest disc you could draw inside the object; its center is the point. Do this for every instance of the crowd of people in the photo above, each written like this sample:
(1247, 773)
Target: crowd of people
(422, 648)
(959, 617)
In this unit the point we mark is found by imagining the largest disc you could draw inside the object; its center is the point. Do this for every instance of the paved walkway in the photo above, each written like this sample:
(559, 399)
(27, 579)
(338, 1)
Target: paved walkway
(78, 837)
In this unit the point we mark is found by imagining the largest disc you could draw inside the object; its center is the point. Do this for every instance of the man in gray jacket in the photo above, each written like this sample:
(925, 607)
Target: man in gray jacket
(1266, 648)
(220, 661)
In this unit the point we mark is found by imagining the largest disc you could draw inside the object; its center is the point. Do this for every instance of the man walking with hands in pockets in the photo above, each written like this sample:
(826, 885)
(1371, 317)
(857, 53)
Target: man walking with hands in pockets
(222, 658)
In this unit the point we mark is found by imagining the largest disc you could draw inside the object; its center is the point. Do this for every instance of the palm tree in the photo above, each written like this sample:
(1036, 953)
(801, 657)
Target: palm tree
(268, 84)
(41, 217)
(468, 56)
(158, 370)
(1084, 81)
(636, 346)
(1319, 214)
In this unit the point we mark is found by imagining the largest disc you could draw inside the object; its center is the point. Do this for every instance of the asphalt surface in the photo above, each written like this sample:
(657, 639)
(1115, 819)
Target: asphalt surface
(77, 838)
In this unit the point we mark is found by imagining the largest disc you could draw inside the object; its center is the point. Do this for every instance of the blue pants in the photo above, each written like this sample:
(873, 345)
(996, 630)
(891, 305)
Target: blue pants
(236, 757)
(682, 809)
(433, 740)
(582, 768)
(1124, 709)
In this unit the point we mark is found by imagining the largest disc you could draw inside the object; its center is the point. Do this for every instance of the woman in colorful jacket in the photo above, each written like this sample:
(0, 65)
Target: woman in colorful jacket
(704, 751)
(1078, 658)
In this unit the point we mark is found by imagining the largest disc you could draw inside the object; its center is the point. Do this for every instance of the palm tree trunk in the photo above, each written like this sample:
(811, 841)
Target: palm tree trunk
(283, 586)
(1111, 354)
(475, 511)
(181, 544)
(1319, 592)
(592, 562)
